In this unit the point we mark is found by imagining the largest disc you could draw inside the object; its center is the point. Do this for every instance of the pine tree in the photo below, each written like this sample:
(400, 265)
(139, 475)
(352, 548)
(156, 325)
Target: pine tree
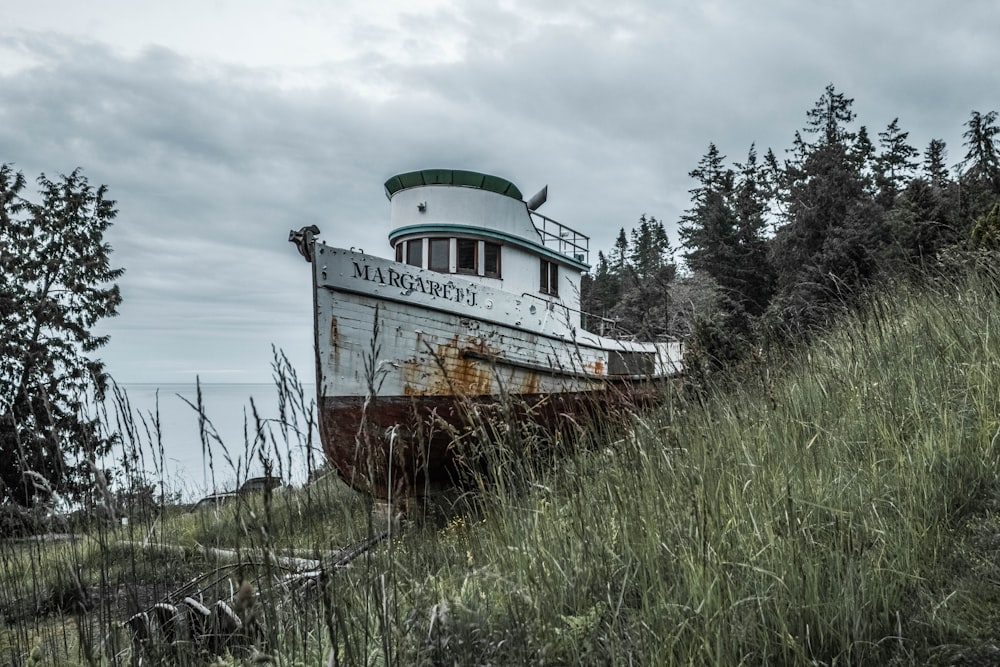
(600, 292)
(980, 176)
(982, 161)
(862, 153)
(708, 228)
(894, 164)
(57, 284)
(935, 167)
(829, 119)
(644, 304)
(618, 259)
(752, 277)
(724, 231)
(925, 214)
(650, 248)
(922, 222)
(632, 286)
(834, 235)
(986, 230)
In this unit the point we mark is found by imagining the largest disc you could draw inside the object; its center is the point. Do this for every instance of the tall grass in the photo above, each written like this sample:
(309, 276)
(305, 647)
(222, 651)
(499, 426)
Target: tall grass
(828, 511)
(65, 596)
(835, 507)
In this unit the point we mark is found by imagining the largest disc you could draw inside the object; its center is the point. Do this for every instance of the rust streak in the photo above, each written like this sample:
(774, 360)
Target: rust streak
(530, 383)
(448, 370)
(335, 340)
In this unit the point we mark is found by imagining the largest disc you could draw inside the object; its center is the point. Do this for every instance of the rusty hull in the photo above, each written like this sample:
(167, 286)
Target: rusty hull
(406, 376)
(409, 445)
(400, 447)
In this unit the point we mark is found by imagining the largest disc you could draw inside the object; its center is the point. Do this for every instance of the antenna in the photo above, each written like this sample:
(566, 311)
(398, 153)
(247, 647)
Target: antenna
(538, 198)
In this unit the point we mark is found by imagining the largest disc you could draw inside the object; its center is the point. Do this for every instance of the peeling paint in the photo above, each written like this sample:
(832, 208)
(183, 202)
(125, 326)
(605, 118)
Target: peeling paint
(431, 362)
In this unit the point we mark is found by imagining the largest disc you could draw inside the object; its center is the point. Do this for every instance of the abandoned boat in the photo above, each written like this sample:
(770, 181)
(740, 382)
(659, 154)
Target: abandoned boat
(481, 300)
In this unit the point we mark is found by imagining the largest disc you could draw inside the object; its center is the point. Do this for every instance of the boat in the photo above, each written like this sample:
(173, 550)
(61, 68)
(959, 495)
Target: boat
(479, 304)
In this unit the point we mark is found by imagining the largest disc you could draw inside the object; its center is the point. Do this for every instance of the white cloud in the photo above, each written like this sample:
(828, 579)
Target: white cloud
(220, 126)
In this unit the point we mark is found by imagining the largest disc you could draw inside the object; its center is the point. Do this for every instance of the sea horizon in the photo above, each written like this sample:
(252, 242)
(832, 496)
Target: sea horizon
(177, 458)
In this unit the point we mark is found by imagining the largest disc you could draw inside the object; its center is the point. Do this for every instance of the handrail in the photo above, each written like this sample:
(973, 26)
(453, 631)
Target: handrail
(613, 324)
(565, 240)
(612, 330)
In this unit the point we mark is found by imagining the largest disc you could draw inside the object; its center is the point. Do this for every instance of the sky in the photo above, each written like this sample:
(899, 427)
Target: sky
(219, 125)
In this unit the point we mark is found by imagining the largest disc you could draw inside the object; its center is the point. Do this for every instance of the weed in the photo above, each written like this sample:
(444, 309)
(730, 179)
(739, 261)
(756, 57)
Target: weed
(839, 507)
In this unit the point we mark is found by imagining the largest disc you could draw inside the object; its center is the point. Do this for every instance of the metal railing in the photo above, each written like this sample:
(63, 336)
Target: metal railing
(596, 324)
(564, 240)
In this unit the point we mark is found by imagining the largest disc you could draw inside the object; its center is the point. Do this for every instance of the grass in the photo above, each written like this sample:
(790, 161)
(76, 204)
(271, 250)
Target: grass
(836, 507)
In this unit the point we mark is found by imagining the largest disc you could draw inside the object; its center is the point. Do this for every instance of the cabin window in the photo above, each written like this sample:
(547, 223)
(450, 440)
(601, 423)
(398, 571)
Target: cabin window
(415, 252)
(548, 277)
(467, 251)
(491, 260)
(438, 259)
(467, 256)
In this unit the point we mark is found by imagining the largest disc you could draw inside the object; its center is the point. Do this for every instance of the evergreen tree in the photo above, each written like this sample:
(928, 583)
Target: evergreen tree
(829, 119)
(644, 304)
(751, 278)
(774, 178)
(862, 153)
(895, 163)
(724, 231)
(848, 215)
(708, 228)
(922, 222)
(924, 217)
(981, 160)
(935, 167)
(650, 248)
(632, 286)
(57, 283)
(600, 292)
(834, 235)
(980, 177)
(986, 231)
(619, 253)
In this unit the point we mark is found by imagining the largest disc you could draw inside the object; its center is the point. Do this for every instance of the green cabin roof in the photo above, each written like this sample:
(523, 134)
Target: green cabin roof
(468, 179)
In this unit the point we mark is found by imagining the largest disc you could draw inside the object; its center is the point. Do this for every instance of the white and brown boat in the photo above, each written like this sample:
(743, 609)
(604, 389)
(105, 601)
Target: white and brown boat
(481, 300)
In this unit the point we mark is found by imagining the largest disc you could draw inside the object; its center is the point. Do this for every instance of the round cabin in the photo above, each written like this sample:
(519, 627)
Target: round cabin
(480, 227)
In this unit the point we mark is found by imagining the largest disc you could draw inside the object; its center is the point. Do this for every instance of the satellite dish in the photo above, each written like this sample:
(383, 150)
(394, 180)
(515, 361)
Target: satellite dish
(538, 198)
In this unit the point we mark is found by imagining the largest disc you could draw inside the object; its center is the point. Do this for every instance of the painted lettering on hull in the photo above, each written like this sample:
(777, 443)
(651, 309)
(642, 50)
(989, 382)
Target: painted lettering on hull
(413, 283)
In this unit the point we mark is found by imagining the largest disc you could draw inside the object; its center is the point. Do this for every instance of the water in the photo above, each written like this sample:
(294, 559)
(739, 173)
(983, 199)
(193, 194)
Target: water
(185, 466)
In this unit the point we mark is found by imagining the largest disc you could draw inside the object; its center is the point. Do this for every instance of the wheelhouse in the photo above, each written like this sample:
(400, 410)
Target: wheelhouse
(479, 227)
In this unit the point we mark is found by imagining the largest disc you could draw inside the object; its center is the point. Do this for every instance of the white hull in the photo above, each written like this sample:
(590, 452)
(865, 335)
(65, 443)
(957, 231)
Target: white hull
(441, 335)
(397, 345)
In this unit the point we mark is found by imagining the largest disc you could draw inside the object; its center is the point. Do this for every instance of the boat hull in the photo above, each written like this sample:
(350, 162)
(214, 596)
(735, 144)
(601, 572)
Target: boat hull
(411, 363)
(405, 447)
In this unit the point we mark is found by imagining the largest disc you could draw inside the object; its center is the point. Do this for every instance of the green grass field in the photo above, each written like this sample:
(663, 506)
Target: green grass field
(836, 507)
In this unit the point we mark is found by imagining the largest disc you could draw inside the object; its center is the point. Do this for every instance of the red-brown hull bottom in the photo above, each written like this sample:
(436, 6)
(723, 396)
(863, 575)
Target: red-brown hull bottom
(408, 446)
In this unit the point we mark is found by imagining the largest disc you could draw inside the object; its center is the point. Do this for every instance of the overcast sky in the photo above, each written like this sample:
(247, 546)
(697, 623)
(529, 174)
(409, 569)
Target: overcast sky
(219, 125)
